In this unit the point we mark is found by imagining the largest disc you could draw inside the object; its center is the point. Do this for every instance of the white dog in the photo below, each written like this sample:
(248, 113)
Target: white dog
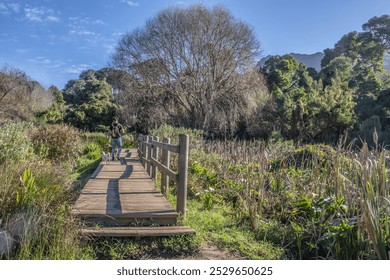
(105, 158)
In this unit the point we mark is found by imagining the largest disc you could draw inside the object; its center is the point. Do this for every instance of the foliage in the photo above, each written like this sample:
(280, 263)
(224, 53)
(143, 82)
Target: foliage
(58, 142)
(92, 151)
(36, 212)
(358, 59)
(98, 138)
(36, 189)
(173, 133)
(14, 142)
(306, 109)
(55, 113)
(312, 193)
(379, 28)
(375, 202)
(90, 103)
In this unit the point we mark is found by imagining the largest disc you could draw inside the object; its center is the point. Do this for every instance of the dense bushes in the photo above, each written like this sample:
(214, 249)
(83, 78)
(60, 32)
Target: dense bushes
(56, 142)
(36, 189)
(14, 142)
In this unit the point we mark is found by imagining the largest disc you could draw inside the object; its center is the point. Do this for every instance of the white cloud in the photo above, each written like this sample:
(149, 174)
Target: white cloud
(77, 69)
(41, 14)
(39, 60)
(130, 3)
(3, 7)
(82, 32)
(119, 34)
(45, 62)
(84, 26)
(22, 51)
(86, 21)
(9, 8)
(15, 7)
(98, 22)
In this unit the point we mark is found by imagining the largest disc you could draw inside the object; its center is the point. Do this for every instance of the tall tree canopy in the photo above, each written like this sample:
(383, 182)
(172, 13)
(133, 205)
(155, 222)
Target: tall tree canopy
(308, 110)
(379, 27)
(189, 60)
(90, 102)
(358, 59)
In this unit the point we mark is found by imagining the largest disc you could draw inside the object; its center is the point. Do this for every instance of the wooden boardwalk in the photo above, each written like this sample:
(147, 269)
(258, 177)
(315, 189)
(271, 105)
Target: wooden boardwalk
(120, 199)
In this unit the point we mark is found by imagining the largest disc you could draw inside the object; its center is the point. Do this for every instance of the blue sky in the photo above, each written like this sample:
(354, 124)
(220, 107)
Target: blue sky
(53, 41)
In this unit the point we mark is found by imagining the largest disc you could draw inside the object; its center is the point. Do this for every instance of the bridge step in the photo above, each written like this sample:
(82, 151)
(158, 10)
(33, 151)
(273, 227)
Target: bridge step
(138, 231)
(130, 219)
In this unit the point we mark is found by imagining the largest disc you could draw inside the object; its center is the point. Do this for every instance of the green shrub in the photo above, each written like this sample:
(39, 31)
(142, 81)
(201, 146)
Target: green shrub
(15, 144)
(59, 142)
(99, 138)
(92, 151)
(127, 141)
(173, 133)
(9, 178)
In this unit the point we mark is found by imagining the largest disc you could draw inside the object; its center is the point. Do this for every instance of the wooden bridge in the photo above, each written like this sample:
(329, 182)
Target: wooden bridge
(121, 199)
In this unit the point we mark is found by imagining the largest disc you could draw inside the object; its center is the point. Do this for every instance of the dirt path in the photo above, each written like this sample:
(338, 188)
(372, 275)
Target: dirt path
(208, 251)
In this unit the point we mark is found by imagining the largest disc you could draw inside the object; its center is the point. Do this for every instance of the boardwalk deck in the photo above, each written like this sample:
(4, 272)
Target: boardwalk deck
(121, 194)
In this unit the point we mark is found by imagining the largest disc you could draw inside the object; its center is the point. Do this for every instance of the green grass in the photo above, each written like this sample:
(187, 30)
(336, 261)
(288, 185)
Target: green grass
(219, 226)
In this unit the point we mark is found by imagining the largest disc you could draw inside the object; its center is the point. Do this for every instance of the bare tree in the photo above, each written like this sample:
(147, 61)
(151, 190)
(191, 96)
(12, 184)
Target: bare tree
(19, 96)
(191, 62)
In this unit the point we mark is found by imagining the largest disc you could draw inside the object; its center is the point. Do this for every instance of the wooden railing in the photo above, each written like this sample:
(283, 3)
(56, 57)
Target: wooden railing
(155, 155)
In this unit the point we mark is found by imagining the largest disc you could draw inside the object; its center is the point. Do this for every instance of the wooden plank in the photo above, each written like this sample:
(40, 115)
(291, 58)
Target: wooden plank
(138, 231)
(165, 146)
(134, 214)
(121, 175)
(122, 168)
(171, 174)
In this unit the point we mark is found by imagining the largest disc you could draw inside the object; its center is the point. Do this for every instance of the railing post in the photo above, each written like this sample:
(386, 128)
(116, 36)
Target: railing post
(155, 156)
(141, 151)
(144, 150)
(183, 172)
(148, 154)
(165, 159)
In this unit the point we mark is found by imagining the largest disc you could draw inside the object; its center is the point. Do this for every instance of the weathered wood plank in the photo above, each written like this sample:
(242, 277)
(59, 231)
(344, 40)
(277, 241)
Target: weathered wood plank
(138, 231)
(171, 174)
(165, 146)
(126, 215)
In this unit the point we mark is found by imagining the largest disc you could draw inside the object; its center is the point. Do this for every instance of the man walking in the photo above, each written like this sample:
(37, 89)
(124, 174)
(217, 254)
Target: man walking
(116, 131)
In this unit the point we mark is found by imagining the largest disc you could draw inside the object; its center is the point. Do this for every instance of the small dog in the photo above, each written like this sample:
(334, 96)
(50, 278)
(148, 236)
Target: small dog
(107, 147)
(105, 158)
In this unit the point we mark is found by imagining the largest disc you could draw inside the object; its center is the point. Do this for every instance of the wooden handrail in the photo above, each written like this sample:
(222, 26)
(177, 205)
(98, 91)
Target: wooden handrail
(155, 156)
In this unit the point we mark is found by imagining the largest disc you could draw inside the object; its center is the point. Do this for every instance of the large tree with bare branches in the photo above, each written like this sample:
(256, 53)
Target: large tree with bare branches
(194, 62)
(20, 97)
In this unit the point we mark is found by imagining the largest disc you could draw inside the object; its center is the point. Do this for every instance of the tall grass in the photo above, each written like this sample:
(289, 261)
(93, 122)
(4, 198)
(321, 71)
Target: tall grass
(15, 144)
(36, 190)
(375, 204)
(331, 202)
